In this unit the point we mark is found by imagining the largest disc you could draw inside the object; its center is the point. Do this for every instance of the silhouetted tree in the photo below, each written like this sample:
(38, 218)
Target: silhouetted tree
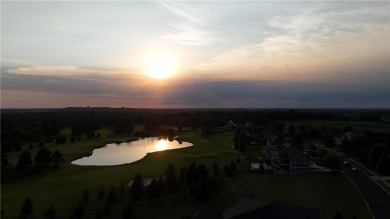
(24, 161)
(384, 164)
(27, 207)
(107, 209)
(101, 193)
(99, 215)
(233, 166)
(191, 172)
(136, 188)
(240, 139)
(375, 153)
(213, 185)
(42, 158)
(215, 169)
(330, 142)
(161, 186)
(183, 175)
(122, 189)
(127, 211)
(228, 170)
(57, 156)
(112, 196)
(201, 172)
(86, 196)
(5, 165)
(153, 190)
(338, 216)
(50, 213)
(332, 161)
(171, 181)
(79, 211)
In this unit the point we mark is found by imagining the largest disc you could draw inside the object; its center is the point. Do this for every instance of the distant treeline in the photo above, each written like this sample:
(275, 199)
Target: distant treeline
(20, 126)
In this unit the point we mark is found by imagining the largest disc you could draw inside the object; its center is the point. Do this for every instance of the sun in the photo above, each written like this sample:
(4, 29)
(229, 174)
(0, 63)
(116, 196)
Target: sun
(161, 145)
(160, 68)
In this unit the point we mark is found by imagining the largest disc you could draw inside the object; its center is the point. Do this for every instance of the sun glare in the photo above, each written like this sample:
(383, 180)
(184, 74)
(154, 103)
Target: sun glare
(160, 68)
(161, 145)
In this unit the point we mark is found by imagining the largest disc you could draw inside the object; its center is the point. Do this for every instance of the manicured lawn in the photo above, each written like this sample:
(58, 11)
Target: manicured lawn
(328, 192)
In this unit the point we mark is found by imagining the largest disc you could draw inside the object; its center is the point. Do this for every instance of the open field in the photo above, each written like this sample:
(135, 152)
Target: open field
(328, 192)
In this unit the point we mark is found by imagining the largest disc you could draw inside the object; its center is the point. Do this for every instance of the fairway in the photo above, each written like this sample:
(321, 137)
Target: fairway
(327, 192)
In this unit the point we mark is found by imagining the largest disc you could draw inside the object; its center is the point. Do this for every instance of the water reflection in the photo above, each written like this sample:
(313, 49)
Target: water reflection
(128, 152)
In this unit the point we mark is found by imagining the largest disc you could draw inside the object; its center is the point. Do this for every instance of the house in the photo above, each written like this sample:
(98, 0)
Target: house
(248, 209)
(287, 157)
(255, 166)
(231, 124)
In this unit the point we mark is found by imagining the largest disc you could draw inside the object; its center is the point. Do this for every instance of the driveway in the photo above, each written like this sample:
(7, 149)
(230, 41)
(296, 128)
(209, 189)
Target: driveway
(377, 199)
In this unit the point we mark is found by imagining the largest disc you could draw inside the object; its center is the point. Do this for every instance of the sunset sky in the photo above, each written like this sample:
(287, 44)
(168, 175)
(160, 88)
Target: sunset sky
(308, 54)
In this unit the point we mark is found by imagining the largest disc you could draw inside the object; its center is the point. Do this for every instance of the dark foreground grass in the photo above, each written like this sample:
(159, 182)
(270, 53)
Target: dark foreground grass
(329, 193)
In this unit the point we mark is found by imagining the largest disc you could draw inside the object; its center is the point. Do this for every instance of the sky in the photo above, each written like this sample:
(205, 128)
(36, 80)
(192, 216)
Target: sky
(233, 54)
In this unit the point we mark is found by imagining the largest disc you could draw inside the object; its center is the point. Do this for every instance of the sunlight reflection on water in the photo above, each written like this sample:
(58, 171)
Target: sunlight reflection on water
(128, 152)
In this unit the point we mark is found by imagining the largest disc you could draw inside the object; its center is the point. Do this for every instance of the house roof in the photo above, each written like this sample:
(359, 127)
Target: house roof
(244, 205)
(280, 211)
(209, 213)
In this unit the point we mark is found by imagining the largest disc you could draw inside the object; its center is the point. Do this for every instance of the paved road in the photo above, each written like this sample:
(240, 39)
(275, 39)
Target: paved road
(377, 199)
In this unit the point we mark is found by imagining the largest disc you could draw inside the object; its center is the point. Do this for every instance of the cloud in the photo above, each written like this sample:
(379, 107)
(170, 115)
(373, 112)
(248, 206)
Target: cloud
(121, 90)
(333, 40)
(188, 35)
(279, 93)
(191, 29)
(183, 13)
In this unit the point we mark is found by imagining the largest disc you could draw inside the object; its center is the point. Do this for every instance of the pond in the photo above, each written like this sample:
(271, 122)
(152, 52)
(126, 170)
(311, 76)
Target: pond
(128, 152)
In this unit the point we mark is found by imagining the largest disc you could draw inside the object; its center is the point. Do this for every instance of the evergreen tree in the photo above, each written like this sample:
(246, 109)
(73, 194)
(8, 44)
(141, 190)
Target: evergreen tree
(27, 207)
(101, 193)
(384, 164)
(122, 189)
(201, 172)
(332, 161)
(330, 142)
(24, 161)
(57, 156)
(86, 196)
(153, 190)
(42, 158)
(99, 215)
(215, 169)
(112, 196)
(338, 216)
(136, 188)
(375, 153)
(127, 211)
(171, 180)
(79, 211)
(183, 175)
(50, 213)
(5, 165)
(161, 186)
(191, 172)
(107, 209)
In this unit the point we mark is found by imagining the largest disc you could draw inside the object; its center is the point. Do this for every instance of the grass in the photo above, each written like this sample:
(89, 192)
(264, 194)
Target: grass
(329, 193)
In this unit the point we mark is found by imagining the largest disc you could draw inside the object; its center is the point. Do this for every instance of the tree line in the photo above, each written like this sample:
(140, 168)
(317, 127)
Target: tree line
(201, 183)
